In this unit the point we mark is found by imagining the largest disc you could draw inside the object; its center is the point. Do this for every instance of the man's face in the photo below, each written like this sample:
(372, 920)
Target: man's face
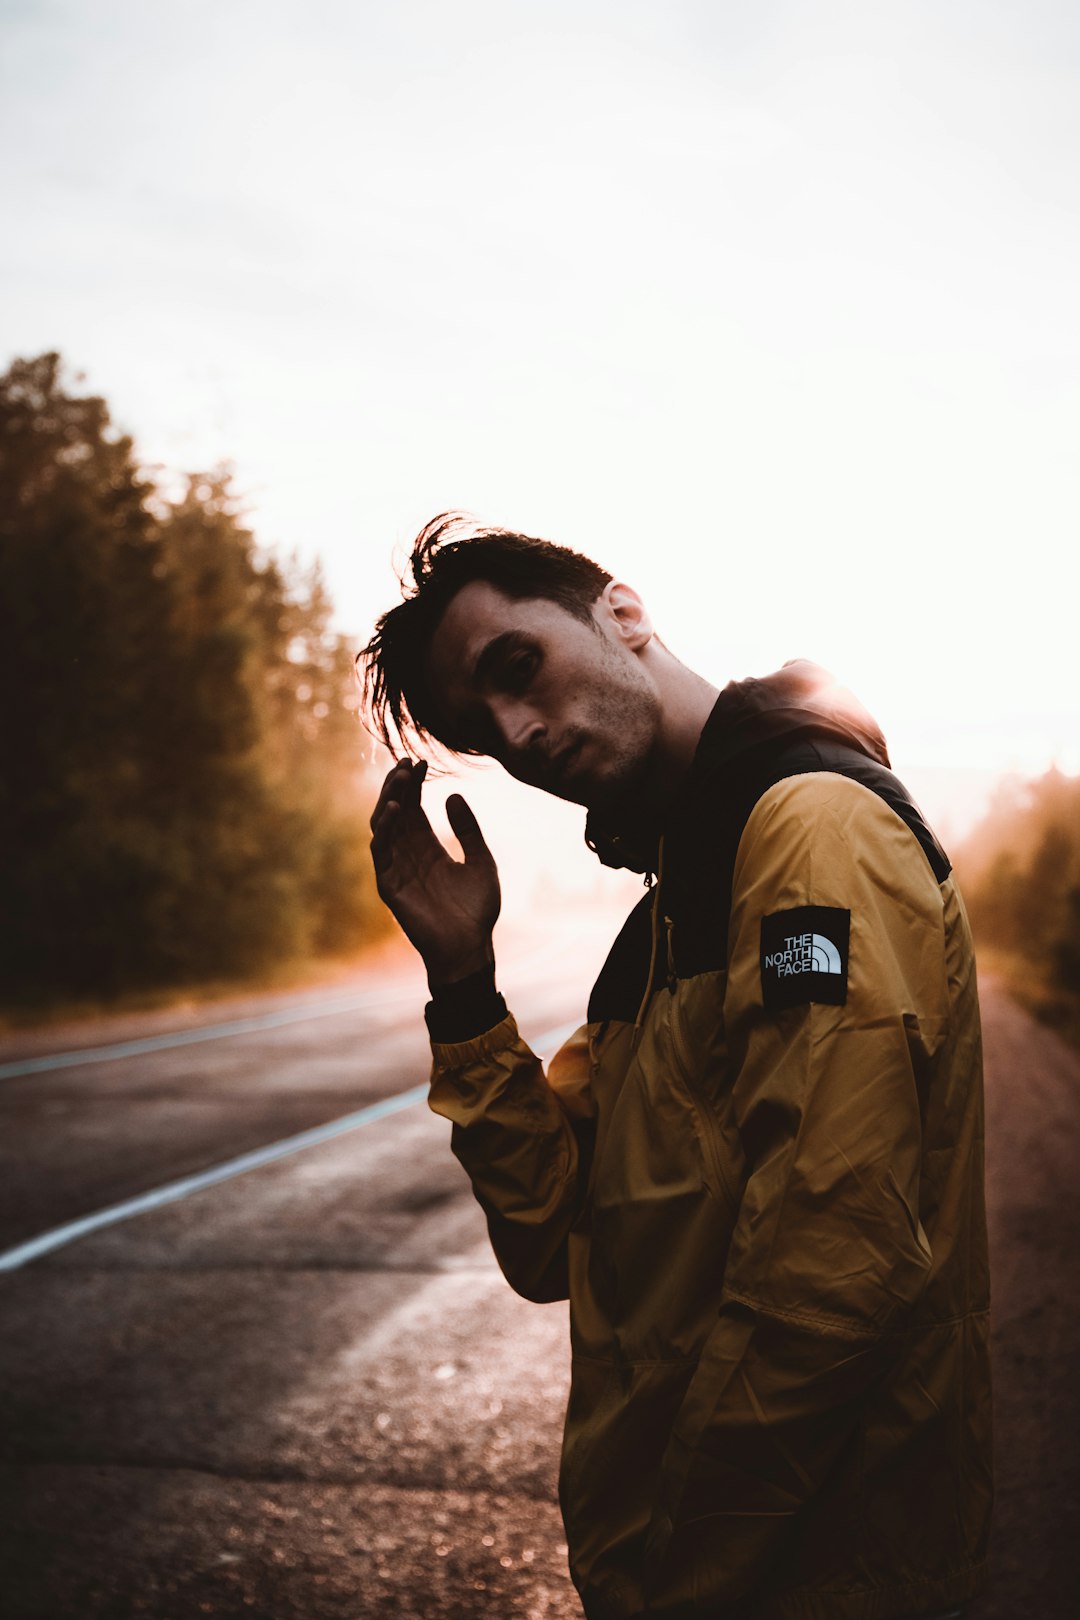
(562, 705)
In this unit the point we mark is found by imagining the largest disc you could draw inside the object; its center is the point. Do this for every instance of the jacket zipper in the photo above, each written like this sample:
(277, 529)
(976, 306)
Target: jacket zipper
(699, 1102)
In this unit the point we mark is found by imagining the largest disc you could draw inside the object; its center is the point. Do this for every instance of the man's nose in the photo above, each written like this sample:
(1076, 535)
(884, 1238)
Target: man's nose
(520, 727)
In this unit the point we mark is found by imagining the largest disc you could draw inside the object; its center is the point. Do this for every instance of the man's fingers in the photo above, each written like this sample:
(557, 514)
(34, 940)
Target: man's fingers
(392, 788)
(399, 826)
(382, 841)
(466, 829)
(413, 783)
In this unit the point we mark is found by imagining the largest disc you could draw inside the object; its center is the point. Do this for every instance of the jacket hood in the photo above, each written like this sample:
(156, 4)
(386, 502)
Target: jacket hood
(749, 717)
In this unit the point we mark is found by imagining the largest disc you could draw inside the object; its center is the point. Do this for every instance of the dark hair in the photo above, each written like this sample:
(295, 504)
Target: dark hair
(449, 552)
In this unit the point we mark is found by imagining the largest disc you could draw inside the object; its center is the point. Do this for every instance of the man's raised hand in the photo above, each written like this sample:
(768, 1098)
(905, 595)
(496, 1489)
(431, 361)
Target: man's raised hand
(447, 908)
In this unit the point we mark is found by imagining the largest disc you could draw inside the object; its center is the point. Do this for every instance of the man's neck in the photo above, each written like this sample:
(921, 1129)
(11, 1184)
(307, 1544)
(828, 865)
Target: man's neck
(686, 702)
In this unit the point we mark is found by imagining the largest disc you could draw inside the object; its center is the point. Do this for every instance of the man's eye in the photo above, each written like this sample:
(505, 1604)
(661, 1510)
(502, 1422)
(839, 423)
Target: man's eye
(520, 670)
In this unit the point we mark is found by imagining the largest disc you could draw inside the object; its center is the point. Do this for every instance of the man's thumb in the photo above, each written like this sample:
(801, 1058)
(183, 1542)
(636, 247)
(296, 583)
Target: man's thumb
(466, 828)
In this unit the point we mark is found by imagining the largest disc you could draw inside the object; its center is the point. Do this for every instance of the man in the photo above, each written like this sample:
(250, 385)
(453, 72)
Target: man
(756, 1171)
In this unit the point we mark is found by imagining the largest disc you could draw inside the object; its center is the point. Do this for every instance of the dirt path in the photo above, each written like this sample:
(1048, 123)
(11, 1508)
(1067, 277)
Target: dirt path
(1033, 1163)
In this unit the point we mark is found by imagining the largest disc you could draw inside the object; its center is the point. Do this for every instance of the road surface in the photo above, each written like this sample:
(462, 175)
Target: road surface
(305, 1391)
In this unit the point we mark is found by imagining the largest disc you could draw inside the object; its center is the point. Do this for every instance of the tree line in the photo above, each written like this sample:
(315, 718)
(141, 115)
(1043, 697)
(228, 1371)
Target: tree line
(1020, 871)
(184, 792)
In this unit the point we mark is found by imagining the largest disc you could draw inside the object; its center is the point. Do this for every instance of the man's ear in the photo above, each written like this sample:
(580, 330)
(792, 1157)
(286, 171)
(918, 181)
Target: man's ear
(622, 610)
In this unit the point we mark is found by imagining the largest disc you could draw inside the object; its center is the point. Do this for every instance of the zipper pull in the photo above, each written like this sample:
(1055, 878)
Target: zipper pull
(669, 935)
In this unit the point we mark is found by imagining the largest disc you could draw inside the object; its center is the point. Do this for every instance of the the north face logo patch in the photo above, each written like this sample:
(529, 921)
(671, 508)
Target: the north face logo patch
(804, 956)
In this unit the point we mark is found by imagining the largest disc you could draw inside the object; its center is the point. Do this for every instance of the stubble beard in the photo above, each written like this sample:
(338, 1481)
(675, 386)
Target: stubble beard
(626, 718)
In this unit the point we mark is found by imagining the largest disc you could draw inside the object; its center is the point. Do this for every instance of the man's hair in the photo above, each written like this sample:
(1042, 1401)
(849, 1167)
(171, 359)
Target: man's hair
(449, 552)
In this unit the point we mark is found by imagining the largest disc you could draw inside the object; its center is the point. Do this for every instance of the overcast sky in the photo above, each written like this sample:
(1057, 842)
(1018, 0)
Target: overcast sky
(770, 306)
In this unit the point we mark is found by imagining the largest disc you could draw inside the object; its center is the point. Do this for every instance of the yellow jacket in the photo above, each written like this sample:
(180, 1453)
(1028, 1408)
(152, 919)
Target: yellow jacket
(767, 1213)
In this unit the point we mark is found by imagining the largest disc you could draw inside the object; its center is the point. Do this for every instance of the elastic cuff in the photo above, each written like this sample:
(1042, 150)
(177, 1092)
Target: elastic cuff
(462, 1010)
(447, 1056)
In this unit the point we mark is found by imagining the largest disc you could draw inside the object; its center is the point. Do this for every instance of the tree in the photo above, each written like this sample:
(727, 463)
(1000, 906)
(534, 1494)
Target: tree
(184, 796)
(1021, 874)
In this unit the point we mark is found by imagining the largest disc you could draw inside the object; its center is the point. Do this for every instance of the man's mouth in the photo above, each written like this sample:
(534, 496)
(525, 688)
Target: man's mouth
(565, 759)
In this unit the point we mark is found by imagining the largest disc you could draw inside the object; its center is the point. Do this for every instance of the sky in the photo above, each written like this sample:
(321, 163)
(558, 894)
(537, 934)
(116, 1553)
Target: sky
(770, 306)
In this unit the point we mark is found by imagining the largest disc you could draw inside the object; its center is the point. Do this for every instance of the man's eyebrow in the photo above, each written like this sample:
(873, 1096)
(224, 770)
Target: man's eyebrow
(498, 648)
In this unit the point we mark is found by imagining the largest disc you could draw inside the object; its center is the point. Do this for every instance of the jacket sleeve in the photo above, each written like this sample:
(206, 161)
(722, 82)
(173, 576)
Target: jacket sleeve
(828, 1256)
(524, 1139)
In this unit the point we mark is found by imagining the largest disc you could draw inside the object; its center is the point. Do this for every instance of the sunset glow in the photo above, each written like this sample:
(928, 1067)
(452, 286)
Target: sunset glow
(771, 309)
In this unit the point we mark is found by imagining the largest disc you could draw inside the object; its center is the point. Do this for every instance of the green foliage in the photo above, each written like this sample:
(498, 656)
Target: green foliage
(184, 795)
(1021, 876)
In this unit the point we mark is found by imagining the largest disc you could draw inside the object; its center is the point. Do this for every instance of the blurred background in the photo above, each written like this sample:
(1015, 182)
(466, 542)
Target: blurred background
(770, 307)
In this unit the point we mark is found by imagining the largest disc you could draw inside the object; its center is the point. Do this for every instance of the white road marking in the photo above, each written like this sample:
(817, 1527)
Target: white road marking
(406, 995)
(205, 1032)
(173, 1191)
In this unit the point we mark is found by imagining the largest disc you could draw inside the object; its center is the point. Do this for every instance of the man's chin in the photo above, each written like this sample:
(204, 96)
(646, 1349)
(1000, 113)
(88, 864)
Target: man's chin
(618, 796)
(613, 793)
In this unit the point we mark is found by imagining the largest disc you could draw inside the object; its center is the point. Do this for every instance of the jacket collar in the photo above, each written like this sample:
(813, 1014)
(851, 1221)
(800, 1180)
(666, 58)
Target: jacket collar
(748, 718)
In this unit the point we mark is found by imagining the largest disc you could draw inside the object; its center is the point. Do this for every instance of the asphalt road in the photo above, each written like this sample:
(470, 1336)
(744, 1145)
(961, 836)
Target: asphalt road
(307, 1392)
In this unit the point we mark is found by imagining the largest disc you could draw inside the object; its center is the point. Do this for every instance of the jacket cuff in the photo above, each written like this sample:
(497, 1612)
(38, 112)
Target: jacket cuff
(464, 1009)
